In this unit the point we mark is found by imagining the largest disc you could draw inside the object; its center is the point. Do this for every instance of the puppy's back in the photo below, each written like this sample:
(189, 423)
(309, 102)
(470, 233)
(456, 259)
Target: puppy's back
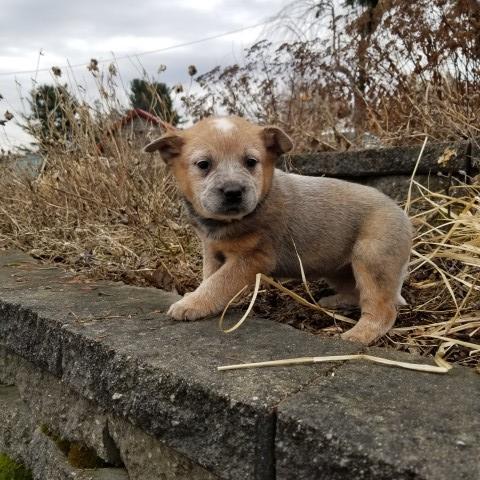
(326, 216)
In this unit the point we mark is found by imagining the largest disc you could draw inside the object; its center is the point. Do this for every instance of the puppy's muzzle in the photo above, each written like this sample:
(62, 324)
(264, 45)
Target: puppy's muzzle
(232, 194)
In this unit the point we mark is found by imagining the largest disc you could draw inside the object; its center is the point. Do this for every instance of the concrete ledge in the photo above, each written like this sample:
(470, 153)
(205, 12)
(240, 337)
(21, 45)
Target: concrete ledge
(112, 347)
(39, 402)
(371, 423)
(390, 169)
(384, 161)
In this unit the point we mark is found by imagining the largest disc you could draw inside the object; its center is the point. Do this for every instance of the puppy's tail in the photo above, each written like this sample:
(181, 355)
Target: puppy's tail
(401, 302)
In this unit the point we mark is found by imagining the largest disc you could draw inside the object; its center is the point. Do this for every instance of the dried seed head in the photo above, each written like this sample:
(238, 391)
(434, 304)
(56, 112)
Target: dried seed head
(57, 71)
(112, 70)
(93, 65)
(178, 88)
(192, 70)
(8, 115)
(162, 68)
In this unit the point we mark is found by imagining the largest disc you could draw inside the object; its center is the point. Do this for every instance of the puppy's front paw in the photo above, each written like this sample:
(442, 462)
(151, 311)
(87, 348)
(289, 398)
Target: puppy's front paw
(186, 309)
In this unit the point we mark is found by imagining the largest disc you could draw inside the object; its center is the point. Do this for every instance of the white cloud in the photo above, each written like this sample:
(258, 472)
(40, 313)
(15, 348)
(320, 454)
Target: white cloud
(75, 32)
(120, 44)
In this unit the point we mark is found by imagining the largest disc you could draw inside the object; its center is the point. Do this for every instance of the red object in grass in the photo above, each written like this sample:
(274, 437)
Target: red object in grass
(130, 116)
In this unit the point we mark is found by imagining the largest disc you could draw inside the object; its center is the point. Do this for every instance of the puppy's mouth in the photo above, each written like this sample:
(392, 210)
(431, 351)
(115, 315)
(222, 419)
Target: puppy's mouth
(220, 213)
(226, 211)
(230, 212)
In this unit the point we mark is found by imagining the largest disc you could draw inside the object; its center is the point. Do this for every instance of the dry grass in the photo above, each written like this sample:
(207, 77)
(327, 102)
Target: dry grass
(97, 204)
(395, 72)
(419, 367)
(443, 288)
(116, 218)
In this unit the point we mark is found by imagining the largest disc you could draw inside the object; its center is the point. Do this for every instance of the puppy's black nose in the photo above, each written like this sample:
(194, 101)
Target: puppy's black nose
(232, 194)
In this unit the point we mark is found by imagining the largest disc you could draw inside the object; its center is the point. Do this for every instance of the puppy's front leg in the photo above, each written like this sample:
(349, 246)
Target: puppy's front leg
(212, 261)
(214, 292)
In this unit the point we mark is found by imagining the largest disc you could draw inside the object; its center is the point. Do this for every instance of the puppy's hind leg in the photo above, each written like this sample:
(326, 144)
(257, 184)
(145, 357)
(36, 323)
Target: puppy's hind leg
(346, 294)
(378, 280)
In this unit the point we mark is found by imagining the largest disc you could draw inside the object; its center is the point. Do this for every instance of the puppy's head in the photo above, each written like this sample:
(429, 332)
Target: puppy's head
(224, 165)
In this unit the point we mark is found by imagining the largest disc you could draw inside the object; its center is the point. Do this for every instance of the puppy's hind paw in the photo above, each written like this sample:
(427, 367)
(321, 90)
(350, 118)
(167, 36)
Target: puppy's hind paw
(355, 337)
(362, 334)
(338, 301)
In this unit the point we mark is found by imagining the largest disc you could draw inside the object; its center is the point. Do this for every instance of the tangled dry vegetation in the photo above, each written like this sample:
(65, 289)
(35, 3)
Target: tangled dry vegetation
(116, 218)
(114, 212)
(396, 71)
(443, 285)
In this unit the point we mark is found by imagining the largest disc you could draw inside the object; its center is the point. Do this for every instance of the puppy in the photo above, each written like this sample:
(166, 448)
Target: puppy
(251, 217)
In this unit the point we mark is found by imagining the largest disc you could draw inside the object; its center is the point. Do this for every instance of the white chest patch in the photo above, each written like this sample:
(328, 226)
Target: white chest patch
(224, 124)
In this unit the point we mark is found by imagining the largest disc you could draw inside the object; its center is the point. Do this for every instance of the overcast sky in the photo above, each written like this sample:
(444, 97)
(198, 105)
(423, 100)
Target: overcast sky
(67, 31)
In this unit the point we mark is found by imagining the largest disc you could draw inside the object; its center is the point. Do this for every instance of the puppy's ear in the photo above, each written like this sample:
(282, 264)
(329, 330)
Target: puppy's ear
(169, 146)
(277, 140)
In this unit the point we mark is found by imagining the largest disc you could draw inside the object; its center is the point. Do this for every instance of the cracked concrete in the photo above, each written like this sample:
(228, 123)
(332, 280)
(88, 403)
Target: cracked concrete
(383, 423)
(383, 161)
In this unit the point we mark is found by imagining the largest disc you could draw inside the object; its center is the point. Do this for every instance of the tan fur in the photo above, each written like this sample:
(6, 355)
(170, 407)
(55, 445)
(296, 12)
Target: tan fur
(353, 236)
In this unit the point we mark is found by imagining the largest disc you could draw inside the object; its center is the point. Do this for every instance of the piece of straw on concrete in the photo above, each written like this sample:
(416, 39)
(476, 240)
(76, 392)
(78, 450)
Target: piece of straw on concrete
(441, 367)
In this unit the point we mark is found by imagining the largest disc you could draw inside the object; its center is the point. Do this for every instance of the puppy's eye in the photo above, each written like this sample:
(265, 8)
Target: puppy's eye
(250, 162)
(203, 165)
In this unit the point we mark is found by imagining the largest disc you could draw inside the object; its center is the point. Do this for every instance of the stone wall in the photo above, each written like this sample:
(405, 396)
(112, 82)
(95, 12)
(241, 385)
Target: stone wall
(390, 169)
(98, 383)
(61, 435)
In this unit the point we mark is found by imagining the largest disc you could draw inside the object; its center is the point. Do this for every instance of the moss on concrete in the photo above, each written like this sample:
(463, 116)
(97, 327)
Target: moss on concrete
(78, 455)
(10, 470)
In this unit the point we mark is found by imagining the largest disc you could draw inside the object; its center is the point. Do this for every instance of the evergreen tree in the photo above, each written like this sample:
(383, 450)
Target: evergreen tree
(53, 110)
(153, 97)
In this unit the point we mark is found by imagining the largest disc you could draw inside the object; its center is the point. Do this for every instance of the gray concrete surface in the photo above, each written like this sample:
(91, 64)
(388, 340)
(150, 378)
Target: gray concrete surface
(390, 169)
(39, 403)
(113, 347)
(387, 423)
